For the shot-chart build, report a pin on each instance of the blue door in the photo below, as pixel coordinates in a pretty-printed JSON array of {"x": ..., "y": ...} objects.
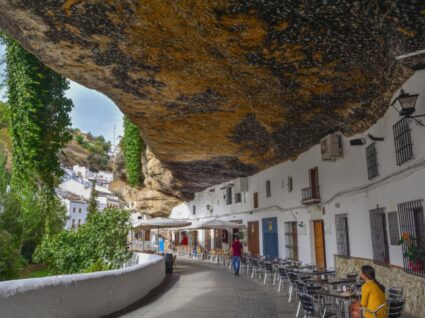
[{"x": 270, "y": 247}]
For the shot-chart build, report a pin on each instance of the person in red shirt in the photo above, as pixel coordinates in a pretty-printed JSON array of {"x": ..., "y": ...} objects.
[{"x": 236, "y": 255}]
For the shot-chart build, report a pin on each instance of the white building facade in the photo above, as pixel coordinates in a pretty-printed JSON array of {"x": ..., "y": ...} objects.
[
  {"x": 335, "y": 213},
  {"x": 76, "y": 213}
]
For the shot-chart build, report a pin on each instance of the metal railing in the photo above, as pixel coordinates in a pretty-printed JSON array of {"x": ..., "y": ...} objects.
[{"x": 310, "y": 194}]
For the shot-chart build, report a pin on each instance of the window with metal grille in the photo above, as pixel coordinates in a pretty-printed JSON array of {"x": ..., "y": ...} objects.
[
  {"x": 402, "y": 141},
  {"x": 372, "y": 162},
  {"x": 268, "y": 189},
  {"x": 238, "y": 197},
  {"x": 229, "y": 195},
  {"x": 411, "y": 221},
  {"x": 393, "y": 228},
  {"x": 289, "y": 184},
  {"x": 342, "y": 238},
  {"x": 255, "y": 200},
  {"x": 378, "y": 229},
  {"x": 291, "y": 240}
]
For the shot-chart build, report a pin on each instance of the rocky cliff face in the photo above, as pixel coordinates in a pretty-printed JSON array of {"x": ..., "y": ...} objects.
[{"x": 226, "y": 88}]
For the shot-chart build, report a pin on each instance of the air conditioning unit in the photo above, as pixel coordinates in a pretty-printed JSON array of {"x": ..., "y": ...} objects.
[
  {"x": 241, "y": 185},
  {"x": 331, "y": 147}
]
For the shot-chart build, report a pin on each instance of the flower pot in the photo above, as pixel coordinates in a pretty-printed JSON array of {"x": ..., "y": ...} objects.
[{"x": 415, "y": 266}]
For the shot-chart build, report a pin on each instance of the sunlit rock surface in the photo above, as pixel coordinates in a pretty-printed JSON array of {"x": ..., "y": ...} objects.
[{"x": 222, "y": 89}]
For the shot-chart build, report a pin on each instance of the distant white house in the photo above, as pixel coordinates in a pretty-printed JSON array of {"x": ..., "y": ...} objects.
[
  {"x": 104, "y": 176},
  {"x": 83, "y": 172},
  {"x": 75, "y": 187},
  {"x": 76, "y": 212}
]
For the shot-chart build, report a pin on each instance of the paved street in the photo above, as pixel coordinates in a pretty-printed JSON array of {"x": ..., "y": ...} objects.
[{"x": 204, "y": 290}]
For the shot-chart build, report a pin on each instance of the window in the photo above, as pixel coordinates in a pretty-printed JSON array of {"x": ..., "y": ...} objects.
[
  {"x": 79, "y": 210},
  {"x": 411, "y": 221},
  {"x": 238, "y": 197},
  {"x": 268, "y": 189},
  {"x": 255, "y": 200},
  {"x": 393, "y": 228},
  {"x": 341, "y": 229},
  {"x": 289, "y": 184},
  {"x": 371, "y": 159},
  {"x": 73, "y": 224},
  {"x": 229, "y": 195},
  {"x": 194, "y": 209},
  {"x": 378, "y": 229},
  {"x": 79, "y": 223},
  {"x": 291, "y": 240},
  {"x": 402, "y": 141},
  {"x": 73, "y": 209}
]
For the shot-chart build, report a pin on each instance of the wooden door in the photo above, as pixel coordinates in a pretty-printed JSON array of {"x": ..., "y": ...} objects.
[
  {"x": 270, "y": 235},
  {"x": 379, "y": 236},
  {"x": 217, "y": 238},
  {"x": 314, "y": 182},
  {"x": 319, "y": 244},
  {"x": 207, "y": 240},
  {"x": 253, "y": 238}
]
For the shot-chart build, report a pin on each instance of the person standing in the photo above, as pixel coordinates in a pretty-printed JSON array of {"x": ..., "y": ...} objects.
[{"x": 236, "y": 255}]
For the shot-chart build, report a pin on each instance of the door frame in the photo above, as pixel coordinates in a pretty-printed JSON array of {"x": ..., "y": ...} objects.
[
  {"x": 256, "y": 239},
  {"x": 273, "y": 231},
  {"x": 323, "y": 240}
]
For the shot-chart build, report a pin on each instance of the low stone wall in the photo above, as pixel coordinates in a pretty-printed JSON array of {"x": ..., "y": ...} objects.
[
  {"x": 82, "y": 295},
  {"x": 389, "y": 276}
]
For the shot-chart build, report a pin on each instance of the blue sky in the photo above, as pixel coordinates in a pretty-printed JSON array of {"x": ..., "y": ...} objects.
[{"x": 92, "y": 111}]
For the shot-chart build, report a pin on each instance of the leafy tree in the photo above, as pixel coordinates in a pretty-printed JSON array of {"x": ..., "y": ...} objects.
[
  {"x": 4, "y": 115},
  {"x": 92, "y": 204},
  {"x": 100, "y": 243},
  {"x": 39, "y": 116},
  {"x": 79, "y": 139},
  {"x": 10, "y": 260},
  {"x": 133, "y": 147}
]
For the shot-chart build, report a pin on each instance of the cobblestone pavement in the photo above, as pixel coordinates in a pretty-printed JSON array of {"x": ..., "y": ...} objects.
[{"x": 201, "y": 289}]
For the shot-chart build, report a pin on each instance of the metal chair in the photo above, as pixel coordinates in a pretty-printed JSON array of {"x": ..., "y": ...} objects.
[
  {"x": 282, "y": 280},
  {"x": 375, "y": 312},
  {"x": 268, "y": 271},
  {"x": 311, "y": 307},
  {"x": 395, "y": 307},
  {"x": 255, "y": 267},
  {"x": 394, "y": 292}
]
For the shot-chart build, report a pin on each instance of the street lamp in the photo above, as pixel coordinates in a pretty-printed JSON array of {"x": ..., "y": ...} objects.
[{"x": 407, "y": 103}]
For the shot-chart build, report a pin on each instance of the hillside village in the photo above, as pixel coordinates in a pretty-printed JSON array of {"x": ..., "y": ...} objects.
[{"x": 75, "y": 190}]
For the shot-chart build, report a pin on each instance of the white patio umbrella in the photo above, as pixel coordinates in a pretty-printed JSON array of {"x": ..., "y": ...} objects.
[
  {"x": 159, "y": 223},
  {"x": 216, "y": 224}
]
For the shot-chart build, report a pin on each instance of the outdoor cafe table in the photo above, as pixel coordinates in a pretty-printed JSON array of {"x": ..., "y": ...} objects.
[
  {"x": 346, "y": 297},
  {"x": 332, "y": 281},
  {"x": 307, "y": 271}
]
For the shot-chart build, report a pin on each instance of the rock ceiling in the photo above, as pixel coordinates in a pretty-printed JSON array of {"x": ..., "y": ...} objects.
[{"x": 222, "y": 89}]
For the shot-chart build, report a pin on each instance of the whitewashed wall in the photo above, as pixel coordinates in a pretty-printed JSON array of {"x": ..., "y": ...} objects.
[
  {"x": 344, "y": 182},
  {"x": 73, "y": 295}
]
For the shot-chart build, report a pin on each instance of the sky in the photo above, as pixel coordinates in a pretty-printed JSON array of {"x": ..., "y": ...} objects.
[{"x": 92, "y": 111}]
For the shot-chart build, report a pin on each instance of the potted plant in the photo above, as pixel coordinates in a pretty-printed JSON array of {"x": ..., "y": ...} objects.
[{"x": 413, "y": 252}]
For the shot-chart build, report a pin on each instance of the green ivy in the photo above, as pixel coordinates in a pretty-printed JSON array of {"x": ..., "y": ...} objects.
[
  {"x": 99, "y": 244},
  {"x": 133, "y": 146},
  {"x": 39, "y": 117}
]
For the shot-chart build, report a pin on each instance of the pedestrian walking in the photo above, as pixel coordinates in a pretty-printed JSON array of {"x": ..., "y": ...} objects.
[{"x": 236, "y": 255}]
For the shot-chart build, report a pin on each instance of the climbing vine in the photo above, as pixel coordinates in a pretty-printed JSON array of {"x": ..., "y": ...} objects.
[
  {"x": 39, "y": 116},
  {"x": 133, "y": 146}
]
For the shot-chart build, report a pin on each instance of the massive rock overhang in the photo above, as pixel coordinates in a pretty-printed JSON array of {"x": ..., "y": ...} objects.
[{"x": 222, "y": 89}]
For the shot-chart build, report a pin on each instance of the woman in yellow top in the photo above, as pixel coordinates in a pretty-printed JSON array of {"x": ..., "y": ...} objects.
[{"x": 373, "y": 295}]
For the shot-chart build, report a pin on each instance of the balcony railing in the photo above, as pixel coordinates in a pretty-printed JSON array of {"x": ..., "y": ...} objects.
[{"x": 310, "y": 195}]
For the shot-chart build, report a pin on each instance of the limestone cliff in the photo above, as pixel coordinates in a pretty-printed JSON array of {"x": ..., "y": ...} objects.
[{"x": 226, "y": 88}]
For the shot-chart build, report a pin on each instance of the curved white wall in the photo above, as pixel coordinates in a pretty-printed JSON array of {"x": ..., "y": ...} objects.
[{"x": 82, "y": 295}]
